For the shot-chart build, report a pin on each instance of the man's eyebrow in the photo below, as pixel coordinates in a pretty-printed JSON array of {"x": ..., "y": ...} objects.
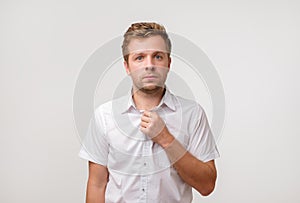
[
  {"x": 159, "y": 52},
  {"x": 137, "y": 53}
]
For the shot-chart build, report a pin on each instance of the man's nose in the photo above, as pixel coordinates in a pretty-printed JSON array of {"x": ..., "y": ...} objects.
[
  {"x": 150, "y": 63},
  {"x": 149, "y": 68}
]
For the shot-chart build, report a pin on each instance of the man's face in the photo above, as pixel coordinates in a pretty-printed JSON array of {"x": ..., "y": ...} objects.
[{"x": 148, "y": 63}]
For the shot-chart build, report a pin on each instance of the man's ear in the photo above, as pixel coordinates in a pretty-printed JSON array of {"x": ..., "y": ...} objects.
[
  {"x": 126, "y": 67},
  {"x": 169, "y": 62}
]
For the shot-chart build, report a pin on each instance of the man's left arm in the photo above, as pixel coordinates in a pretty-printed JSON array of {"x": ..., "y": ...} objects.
[{"x": 198, "y": 174}]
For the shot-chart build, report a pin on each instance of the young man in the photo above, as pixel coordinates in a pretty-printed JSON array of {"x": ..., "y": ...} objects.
[{"x": 149, "y": 146}]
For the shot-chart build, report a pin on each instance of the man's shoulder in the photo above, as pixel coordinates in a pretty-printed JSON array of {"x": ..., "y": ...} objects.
[
  {"x": 186, "y": 101},
  {"x": 114, "y": 103},
  {"x": 187, "y": 104}
]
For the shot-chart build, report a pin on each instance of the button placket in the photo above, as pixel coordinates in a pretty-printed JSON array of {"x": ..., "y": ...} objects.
[
  {"x": 144, "y": 182},
  {"x": 144, "y": 178}
]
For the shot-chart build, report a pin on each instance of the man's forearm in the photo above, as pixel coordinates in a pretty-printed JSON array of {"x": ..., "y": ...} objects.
[
  {"x": 199, "y": 175},
  {"x": 95, "y": 194}
]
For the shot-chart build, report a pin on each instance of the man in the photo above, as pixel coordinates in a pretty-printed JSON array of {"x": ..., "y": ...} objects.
[{"x": 149, "y": 146}]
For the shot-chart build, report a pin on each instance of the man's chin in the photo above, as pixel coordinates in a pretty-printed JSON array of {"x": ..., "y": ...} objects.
[{"x": 150, "y": 88}]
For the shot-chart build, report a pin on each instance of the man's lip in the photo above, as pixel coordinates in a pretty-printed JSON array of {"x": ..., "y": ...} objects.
[{"x": 150, "y": 76}]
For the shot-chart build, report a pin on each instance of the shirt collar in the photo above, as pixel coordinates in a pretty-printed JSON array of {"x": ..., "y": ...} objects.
[{"x": 166, "y": 100}]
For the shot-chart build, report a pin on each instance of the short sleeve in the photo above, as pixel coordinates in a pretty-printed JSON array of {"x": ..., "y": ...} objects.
[
  {"x": 95, "y": 146},
  {"x": 202, "y": 143}
]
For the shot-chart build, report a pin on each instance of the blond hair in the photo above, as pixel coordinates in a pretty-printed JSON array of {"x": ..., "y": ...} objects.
[{"x": 144, "y": 30}]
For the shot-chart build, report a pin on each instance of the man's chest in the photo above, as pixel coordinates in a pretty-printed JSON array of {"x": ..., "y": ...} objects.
[{"x": 130, "y": 151}]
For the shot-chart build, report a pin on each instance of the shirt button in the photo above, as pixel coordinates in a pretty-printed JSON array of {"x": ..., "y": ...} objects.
[
  {"x": 145, "y": 164},
  {"x": 143, "y": 190}
]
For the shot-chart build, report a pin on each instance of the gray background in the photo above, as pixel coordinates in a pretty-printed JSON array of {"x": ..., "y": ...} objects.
[{"x": 254, "y": 46}]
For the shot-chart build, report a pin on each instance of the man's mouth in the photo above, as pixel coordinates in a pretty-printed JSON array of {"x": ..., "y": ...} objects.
[{"x": 149, "y": 77}]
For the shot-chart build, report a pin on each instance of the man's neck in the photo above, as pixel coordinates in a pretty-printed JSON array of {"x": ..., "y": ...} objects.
[{"x": 147, "y": 100}]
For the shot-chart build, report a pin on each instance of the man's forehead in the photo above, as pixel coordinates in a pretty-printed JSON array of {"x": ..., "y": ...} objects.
[
  {"x": 148, "y": 51},
  {"x": 149, "y": 44}
]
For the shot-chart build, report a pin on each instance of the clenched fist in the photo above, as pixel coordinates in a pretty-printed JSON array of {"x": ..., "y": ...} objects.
[{"x": 155, "y": 128}]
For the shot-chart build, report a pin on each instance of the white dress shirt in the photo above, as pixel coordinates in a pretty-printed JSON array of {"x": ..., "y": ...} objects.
[{"x": 139, "y": 169}]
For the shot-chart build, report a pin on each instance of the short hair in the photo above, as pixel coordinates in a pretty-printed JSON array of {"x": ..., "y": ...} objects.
[{"x": 144, "y": 30}]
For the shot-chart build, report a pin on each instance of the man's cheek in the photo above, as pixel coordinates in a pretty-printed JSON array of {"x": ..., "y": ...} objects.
[{"x": 136, "y": 68}]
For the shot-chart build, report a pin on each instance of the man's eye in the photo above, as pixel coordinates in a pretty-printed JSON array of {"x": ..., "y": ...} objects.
[
  {"x": 139, "y": 58},
  {"x": 158, "y": 57}
]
